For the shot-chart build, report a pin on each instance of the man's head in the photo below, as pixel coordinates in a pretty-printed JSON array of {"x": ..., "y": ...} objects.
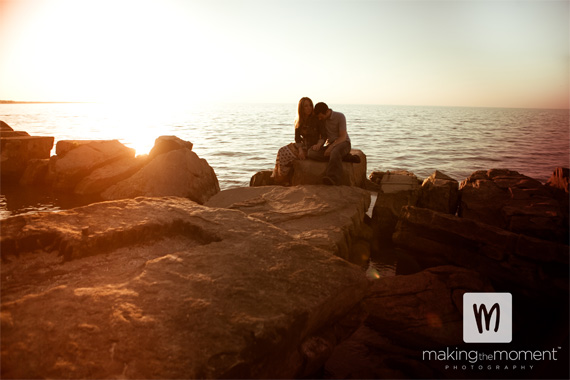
[{"x": 321, "y": 110}]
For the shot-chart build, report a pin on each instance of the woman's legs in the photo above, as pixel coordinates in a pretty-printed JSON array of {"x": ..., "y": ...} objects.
[{"x": 283, "y": 165}]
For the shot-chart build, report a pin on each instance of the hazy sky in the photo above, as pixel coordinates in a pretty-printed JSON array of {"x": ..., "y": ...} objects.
[{"x": 455, "y": 53}]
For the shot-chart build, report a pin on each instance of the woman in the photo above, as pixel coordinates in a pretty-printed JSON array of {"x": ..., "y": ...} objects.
[{"x": 308, "y": 131}]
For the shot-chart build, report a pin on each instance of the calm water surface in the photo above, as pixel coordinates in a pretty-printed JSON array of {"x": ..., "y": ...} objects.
[{"x": 238, "y": 140}]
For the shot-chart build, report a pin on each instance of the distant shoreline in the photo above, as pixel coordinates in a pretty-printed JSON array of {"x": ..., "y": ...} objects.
[
  {"x": 340, "y": 104},
  {"x": 32, "y": 102}
]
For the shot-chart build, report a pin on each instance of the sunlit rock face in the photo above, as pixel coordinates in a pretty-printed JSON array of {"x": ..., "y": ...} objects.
[
  {"x": 165, "y": 144},
  {"x": 108, "y": 170},
  {"x": 76, "y": 159},
  {"x": 329, "y": 217},
  {"x": 166, "y": 288},
  {"x": 100, "y": 179},
  {"x": 514, "y": 202},
  {"x": 17, "y": 149},
  {"x": 177, "y": 172}
]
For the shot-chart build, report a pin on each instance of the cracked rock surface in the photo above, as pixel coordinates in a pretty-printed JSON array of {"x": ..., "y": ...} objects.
[{"x": 167, "y": 288}]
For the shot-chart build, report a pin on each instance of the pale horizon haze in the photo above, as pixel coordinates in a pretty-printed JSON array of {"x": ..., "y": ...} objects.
[{"x": 472, "y": 53}]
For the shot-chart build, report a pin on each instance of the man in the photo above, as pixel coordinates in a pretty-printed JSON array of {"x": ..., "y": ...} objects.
[{"x": 338, "y": 144}]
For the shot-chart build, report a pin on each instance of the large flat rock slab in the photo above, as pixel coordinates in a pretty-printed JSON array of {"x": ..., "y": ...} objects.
[
  {"x": 329, "y": 217},
  {"x": 166, "y": 288}
]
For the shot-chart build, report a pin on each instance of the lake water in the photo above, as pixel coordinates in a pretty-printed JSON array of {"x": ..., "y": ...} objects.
[{"x": 239, "y": 140}]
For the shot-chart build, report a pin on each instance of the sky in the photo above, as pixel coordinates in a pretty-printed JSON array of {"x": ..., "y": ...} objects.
[{"x": 474, "y": 53}]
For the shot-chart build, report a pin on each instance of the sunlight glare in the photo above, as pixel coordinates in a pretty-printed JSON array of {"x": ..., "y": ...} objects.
[
  {"x": 145, "y": 62},
  {"x": 117, "y": 51},
  {"x": 138, "y": 125}
]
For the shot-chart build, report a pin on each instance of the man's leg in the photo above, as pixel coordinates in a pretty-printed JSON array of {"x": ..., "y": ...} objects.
[{"x": 334, "y": 167}]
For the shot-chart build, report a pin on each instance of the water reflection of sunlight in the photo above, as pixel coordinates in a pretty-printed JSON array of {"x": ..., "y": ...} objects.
[
  {"x": 142, "y": 142},
  {"x": 139, "y": 124}
]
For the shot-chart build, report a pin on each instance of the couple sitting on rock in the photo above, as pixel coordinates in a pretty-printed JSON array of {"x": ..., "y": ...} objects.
[{"x": 314, "y": 127}]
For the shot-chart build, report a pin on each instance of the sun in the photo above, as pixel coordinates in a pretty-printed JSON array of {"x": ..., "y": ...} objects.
[
  {"x": 145, "y": 62},
  {"x": 132, "y": 51},
  {"x": 138, "y": 125}
]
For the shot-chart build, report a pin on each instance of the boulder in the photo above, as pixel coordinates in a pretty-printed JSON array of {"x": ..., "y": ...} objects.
[
  {"x": 36, "y": 172},
  {"x": 7, "y": 131},
  {"x": 76, "y": 159},
  {"x": 515, "y": 202},
  {"x": 514, "y": 262},
  {"x": 262, "y": 178},
  {"x": 4, "y": 127},
  {"x": 105, "y": 146},
  {"x": 395, "y": 181},
  {"x": 439, "y": 192},
  {"x": 166, "y": 288},
  {"x": 18, "y": 150},
  {"x": 310, "y": 172},
  {"x": 328, "y": 217},
  {"x": 178, "y": 172},
  {"x": 106, "y": 169},
  {"x": 165, "y": 144}
]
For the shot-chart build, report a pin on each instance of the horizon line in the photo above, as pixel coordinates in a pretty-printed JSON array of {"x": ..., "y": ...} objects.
[{"x": 251, "y": 102}]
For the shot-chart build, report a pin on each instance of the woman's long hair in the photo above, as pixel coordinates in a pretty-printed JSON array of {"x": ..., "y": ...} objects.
[{"x": 301, "y": 117}]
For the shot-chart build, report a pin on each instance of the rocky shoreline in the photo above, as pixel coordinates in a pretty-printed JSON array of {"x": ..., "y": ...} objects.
[{"x": 166, "y": 276}]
